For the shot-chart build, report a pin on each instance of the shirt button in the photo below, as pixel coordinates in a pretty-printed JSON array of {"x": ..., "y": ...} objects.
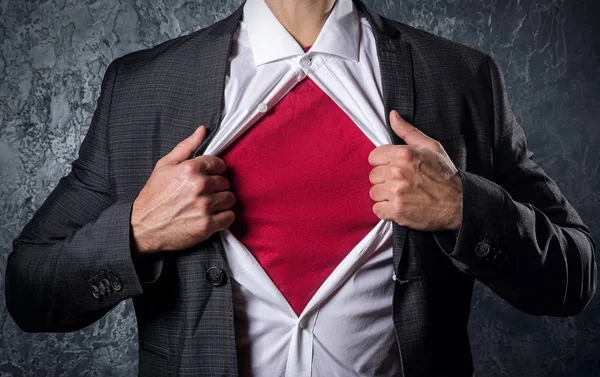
[
  {"x": 301, "y": 75},
  {"x": 302, "y": 323},
  {"x": 263, "y": 107},
  {"x": 305, "y": 62}
]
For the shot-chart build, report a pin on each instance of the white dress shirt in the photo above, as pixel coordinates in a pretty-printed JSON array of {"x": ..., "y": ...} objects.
[{"x": 346, "y": 329}]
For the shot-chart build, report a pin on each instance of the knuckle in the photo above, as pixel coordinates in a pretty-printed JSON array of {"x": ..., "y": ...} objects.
[
  {"x": 405, "y": 153},
  {"x": 204, "y": 225},
  {"x": 204, "y": 165},
  {"x": 200, "y": 184},
  {"x": 217, "y": 163},
  {"x": 187, "y": 167},
  {"x": 203, "y": 203},
  {"x": 398, "y": 189},
  {"x": 396, "y": 172},
  {"x": 199, "y": 163}
]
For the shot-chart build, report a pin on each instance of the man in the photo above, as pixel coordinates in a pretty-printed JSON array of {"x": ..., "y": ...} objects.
[{"x": 279, "y": 258}]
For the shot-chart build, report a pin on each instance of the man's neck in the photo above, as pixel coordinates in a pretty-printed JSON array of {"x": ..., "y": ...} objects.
[{"x": 303, "y": 19}]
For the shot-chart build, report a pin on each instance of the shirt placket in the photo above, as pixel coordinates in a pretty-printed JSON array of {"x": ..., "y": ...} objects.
[{"x": 300, "y": 353}]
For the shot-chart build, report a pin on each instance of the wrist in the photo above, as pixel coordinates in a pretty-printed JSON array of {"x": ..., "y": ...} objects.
[
  {"x": 141, "y": 243},
  {"x": 457, "y": 213},
  {"x": 140, "y": 239},
  {"x": 136, "y": 250}
]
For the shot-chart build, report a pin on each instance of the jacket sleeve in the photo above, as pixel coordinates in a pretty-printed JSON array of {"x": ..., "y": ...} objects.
[
  {"x": 519, "y": 235},
  {"x": 72, "y": 263}
]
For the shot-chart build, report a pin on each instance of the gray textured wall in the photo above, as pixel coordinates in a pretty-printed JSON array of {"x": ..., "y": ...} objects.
[{"x": 52, "y": 57}]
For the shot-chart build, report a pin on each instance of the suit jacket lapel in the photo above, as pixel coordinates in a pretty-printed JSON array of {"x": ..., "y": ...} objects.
[
  {"x": 210, "y": 72},
  {"x": 395, "y": 62},
  {"x": 212, "y": 57}
]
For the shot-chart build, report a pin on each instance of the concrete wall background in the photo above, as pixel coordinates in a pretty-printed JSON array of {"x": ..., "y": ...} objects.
[{"x": 53, "y": 54}]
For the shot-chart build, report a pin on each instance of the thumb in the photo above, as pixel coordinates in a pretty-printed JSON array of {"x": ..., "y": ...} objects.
[
  {"x": 409, "y": 133},
  {"x": 185, "y": 148}
]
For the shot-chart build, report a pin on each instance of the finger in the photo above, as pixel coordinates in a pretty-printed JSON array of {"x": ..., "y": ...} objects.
[
  {"x": 381, "y": 209},
  {"x": 411, "y": 134},
  {"x": 221, "y": 220},
  {"x": 184, "y": 149},
  {"x": 216, "y": 183},
  {"x": 380, "y": 155},
  {"x": 385, "y": 173},
  {"x": 221, "y": 201},
  {"x": 389, "y": 153},
  {"x": 377, "y": 174},
  {"x": 379, "y": 192},
  {"x": 209, "y": 164}
]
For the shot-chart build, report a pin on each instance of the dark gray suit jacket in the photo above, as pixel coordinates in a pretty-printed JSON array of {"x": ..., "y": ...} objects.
[{"x": 520, "y": 236}]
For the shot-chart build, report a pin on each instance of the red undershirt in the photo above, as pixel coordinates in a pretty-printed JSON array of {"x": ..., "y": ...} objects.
[{"x": 301, "y": 180}]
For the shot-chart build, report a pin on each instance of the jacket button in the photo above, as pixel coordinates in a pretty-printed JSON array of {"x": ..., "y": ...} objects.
[
  {"x": 95, "y": 291},
  {"x": 106, "y": 284},
  {"x": 482, "y": 249},
  {"x": 215, "y": 276},
  {"x": 102, "y": 288},
  {"x": 116, "y": 284}
]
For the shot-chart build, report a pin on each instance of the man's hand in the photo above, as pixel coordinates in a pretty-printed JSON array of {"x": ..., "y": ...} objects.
[
  {"x": 183, "y": 202},
  {"x": 416, "y": 185}
]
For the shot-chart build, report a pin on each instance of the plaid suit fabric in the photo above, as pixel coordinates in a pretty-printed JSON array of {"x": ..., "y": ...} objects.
[{"x": 540, "y": 257}]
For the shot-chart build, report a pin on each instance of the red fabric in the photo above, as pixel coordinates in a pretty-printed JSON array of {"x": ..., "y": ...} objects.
[{"x": 301, "y": 180}]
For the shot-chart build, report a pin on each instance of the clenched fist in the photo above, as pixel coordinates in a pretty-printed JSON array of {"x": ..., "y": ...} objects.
[
  {"x": 183, "y": 202},
  {"x": 416, "y": 185}
]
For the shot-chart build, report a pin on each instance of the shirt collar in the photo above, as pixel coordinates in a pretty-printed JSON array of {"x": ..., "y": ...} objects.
[{"x": 270, "y": 41}]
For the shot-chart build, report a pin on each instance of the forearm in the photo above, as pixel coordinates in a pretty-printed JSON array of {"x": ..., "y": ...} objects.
[
  {"x": 50, "y": 283},
  {"x": 540, "y": 266}
]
